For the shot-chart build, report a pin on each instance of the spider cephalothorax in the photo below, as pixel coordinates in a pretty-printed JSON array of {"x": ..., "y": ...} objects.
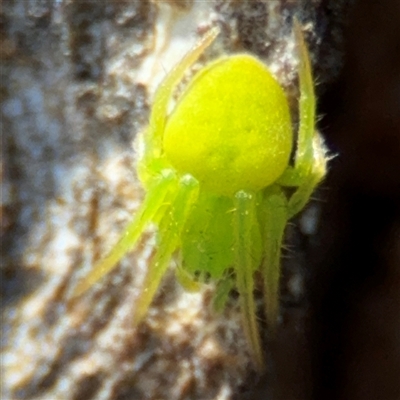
[{"x": 215, "y": 170}]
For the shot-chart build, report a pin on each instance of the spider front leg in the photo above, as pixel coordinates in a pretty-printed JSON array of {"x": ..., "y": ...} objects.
[
  {"x": 153, "y": 137},
  {"x": 310, "y": 159}
]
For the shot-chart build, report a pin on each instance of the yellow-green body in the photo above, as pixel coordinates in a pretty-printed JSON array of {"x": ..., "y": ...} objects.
[
  {"x": 215, "y": 170},
  {"x": 233, "y": 136}
]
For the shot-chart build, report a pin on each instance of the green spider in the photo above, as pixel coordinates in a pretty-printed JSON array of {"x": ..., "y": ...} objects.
[{"x": 219, "y": 180}]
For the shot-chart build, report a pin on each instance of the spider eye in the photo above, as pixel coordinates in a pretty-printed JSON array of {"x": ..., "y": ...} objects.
[{"x": 231, "y": 128}]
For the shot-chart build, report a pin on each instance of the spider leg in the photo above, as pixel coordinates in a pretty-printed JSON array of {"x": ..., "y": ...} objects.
[
  {"x": 275, "y": 216},
  {"x": 245, "y": 218},
  {"x": 302, "y": 194},
  {"x": 307, "y": 102},
  {"x": 170, "y": 230},
  {"x": 310, "y": 159},
  {"x": 151, "y": 204},
  {"x": 162, "y": 97}
]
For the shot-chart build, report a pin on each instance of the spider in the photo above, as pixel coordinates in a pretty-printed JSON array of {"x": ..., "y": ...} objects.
[{"x": 220, "y": 182}]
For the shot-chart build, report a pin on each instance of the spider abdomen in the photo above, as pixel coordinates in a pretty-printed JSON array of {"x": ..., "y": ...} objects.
[{"x": 231, "y": 127}]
